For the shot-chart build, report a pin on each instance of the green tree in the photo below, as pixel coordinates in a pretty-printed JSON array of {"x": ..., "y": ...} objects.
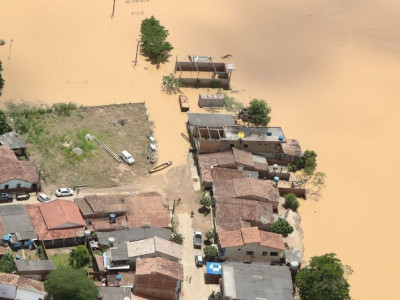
[
  {"x": 79, "y": 257},
  {"x": 7, "y": 263},
  {"x": 154, "y": 42},
  {"x": 68, "y": 283},
  {"x": 209, "y": 235},
  {"x": 177, "y": 238},
  {"x": 308, "y": 162},
  {"x": 171, "y": 84},
  {"x": 1, "y": 77},
  {"x": 259, "y": 112},
  {"x": 324, "y": 279},
  {"x": 291, "y": 201},
  {"x": 206, "y": 202},
  {"x": 210, "y": 252},
  {"x": 282, "y": 227},
  {"x": 4, "y": 128}
]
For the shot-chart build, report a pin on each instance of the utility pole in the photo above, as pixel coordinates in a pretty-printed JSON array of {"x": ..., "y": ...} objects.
[
  {"x": 137, "y": 50},
  {"x": 9, "y": 51},
  {"x": 112, "y": 15}
]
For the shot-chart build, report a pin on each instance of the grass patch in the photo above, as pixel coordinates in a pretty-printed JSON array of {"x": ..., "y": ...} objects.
[{"x": 60, "y": 260}]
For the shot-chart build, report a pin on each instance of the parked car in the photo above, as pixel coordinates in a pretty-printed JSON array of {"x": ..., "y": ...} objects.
[
  {"x": 22, "y": 196},
  {"x": 197, "y": 239},
  {"x": 198, "y": 259},
  {"x": 43, "y": 198},
  {"x": 64, "y": 192},
  {"x": 127, "y": 157},
  {"x": 5, "y": 197}
]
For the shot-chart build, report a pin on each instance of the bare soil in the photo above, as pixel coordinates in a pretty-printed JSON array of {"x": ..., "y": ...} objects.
[{"x": 98, "y": 168}]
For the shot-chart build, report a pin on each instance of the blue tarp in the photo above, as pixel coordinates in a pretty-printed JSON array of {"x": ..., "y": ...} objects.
[{"x": 214, "y": 268}]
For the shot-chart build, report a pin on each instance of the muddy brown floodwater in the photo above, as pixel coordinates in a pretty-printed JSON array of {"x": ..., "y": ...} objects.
[{"x": 330, "y": 70}]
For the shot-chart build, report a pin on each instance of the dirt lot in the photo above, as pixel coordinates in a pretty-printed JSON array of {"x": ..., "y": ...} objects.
[{"x": 120, "y": 127}]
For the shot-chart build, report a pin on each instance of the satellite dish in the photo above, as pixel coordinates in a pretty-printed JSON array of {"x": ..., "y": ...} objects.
[{"x": 241, "y": 134}]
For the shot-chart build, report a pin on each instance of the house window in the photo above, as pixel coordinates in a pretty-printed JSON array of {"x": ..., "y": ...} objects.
[
  {"x": 246, "y": 146},
  {"x": 18, "y": 185},
  {"x": 232, "y": 145},
  {"x": 249, "y": 252},
  {"x": 265, "y": 253},
  {"x": 273, "y": 254},
  {"x": 6, "y": 187},
  {"x": 239, "y": 249}
]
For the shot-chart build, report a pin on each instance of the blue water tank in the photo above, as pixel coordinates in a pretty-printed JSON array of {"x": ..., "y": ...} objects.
[
  {"x": 6, "y": 238},
  {"x": 276, "y": 179},
  {"x": 17, "y": 257},
  {"x": 118, "y": 277},
  {"x": 269, "y": 133},
  {"x": 281, "y": 137}
]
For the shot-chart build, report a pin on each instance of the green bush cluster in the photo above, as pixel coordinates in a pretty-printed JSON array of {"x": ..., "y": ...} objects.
[{"x": 291, "y": 201}]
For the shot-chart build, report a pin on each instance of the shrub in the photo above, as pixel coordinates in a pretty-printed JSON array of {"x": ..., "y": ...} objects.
[
  {"x": 259, "y": 112},
  {"x": 282, "y": 227},
  {"x": 7, "y": 263},
  {"x": 291, "y": 201},
  {"x": 209, "y": 234},
  {"x": 177, "y": 238},
  {"x": 205, "y": 201},
  {"x": 210, "y": 252},
  {"x": 79, "y": 257}
]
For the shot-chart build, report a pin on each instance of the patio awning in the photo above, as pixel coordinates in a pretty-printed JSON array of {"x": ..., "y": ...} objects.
[{"x": 214, "y": 268}]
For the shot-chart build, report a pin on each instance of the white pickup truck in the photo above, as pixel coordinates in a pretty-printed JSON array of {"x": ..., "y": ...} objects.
[{"x": 197, "y": 239}]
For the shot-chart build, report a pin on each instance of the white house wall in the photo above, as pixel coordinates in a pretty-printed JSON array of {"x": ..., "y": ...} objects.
[
  {"x": 28, "y": 295},
  {"x": 7, "y": 291},
  {"x": 12, "y": 184}
]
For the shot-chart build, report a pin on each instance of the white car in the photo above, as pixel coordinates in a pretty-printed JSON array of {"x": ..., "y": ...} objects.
[
  {"x": 127, "y": 157},
  {"x": 63, "y": 192},
  {"x": 43, "y": 198},
  {"x": 198, "y": 259}
]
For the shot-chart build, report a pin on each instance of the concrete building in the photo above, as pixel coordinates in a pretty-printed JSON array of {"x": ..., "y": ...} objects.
[
  {"x": 16, "y": 223},
  {"x": 34, "y": 269},
  {"x": 16, "y": 175},
  {"x": 124, "y": 255},
  {"x": 57, "y": 223},
  {"x": 114, "y": 293},
  {"x": 20, "y": 288},
  {"x": 158, "y": 278},
  {"x": 255, "y": 281},
  {"x": 250, "y": 244},
  {"x": 14, "y": 142}
]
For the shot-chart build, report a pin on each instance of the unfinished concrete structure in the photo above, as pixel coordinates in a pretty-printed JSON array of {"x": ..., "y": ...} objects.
[{"x": 207, "y": 74}]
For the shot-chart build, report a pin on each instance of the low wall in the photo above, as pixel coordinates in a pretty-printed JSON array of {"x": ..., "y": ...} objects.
[
  {"x": 205, "y": 83},
  {"x": 301, "y": 193}
]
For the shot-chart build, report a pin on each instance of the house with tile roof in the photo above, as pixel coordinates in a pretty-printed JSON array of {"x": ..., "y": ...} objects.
[
  {"x": 57, "y": 223},
  {"x": 158, "y": 278},
  {"x": 20, "y": 288},
  {"x": 234, "y": 214},
  {"x": 16, "y": 175},
  {"x": 150, "y": 209},
  {"x": 247, "y": 188},
  {"x": 250, "y": 244}
]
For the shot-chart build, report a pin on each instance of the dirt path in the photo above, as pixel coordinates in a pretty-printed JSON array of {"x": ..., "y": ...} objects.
[{"x": 196, "y": 289}]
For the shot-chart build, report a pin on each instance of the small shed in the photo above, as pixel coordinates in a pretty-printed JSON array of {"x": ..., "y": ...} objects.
[
  {"x": 211, "y": 100},
  {"x": 214, "y": 271},
  {"x": 184, "y": 103}
]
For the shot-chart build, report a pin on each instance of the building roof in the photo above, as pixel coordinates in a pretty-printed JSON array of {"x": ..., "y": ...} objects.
[
  {"x": 12, "y": 168},
  {"x": 254, "y": 134},
  {"x": 21, "y": 282},
  {"x": 104, "y": 224},
  {"x": 226, "y": 174},
  {"x": 24, "y": 265},
  {"x": 246, "y": 188},
  {"x": 61, "y": 214},
  {"x": 44, "y": 233},
  {"x": 119, "y": 252},
  {"x": 102, "y": 204},
  {"x": 12, "y": 140},
  {"x": 114, "y": 293},
  {"x": 256, "y": 281},
  {"x": 198, "y": 119},
  {"x": 292, "y": 147},
  {"x": 231, "y": 159},
  {"x": 127, "y": 280},
  {"x": 133, "y": 234},
  {"x": 251, "y": 235},
  {"x": 159, "y": 265},
  {"x": 14, "y": 219},
  {"x": 148, "y": 209},
  {"x": 153, "y": 245},
  {"x": 234, "y": 213}
]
